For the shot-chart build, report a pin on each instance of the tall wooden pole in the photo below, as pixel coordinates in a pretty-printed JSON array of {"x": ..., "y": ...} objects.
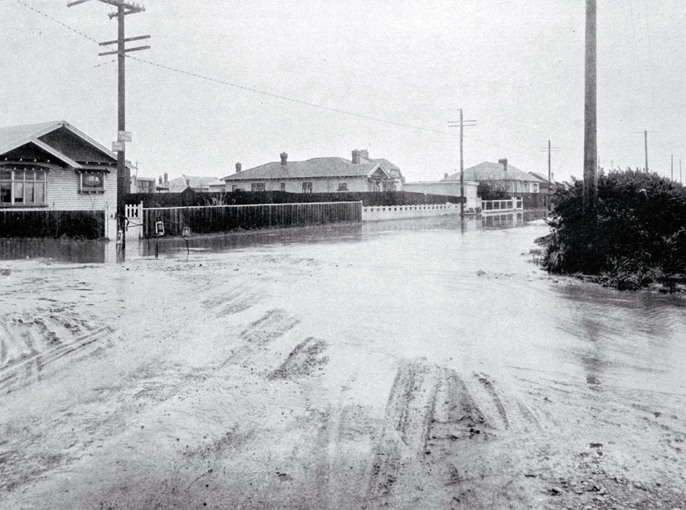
[
  {"x": 122, "y": 177},
  {"x": 590, "y": 116},
  {"x": 461, "y": 167}
]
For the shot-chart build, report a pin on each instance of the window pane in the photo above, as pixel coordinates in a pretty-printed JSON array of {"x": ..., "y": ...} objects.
[
  {"x": 28, "y": 193},
  {"x": 92, "y": 181},
  {"x": 18, "y": 192},
  {"x": 40, "y": 175},
  {"x": 5, "y": 193},
  {"x": 40, "y": 193},
  {"x": 5, "y": 175}
]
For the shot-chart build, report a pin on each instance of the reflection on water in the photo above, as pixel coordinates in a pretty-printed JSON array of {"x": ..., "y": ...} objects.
[
  {"x": 85, "y": 251},
  {"x": 635, "y": 335}
]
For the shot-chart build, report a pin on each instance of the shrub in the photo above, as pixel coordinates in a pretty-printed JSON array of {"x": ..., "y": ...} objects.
[{"x": 639, "y": 236}]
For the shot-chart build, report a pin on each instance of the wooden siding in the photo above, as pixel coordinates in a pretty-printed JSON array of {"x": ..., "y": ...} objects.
[
  {"x": 209, "y": 219},
  {"x": 63, "y": 192},
  {"x": 46, "y": 223}
]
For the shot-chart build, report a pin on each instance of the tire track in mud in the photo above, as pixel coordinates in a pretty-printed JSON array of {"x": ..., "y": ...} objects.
[
  {"x": 31, "y": 341},
  {"x": 434, "y": 418}
]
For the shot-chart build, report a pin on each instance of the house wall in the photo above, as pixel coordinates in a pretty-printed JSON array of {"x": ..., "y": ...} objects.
[
  {"x": 63, "y": 195},
  {"x": 319, "y": 185},
  {"x": 446, "y": 188}
]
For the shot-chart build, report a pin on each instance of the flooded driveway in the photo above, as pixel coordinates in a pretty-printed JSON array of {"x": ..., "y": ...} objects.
[{"x": 410, "y": 364}]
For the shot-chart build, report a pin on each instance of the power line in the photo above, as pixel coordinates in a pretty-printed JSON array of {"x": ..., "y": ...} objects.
[{"x": 262, "y": 92}]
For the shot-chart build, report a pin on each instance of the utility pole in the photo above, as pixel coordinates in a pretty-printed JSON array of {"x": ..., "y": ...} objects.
[
  {"x": 646, "y": 151},
  {"x": 550, "y": 149},
  {"x": 590, "y": 115},
  {"x": 672, "y": 177},
  {"x": 645, "y": 141},
  {"x": 462, "y": 124},
  {"x": 123, "y": 178}
]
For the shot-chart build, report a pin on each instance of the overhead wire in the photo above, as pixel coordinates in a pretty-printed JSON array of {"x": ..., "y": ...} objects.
[{"x": 259, "y": 91}]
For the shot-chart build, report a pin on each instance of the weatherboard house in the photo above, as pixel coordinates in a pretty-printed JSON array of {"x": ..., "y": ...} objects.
[
  {"x": 54, "y": 166},
  {"x": 319, "y": 175}
]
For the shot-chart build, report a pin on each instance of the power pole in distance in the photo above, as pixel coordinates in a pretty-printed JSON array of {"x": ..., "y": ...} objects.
[
  {"x": 549, "y": 149},
  {"x": 123, "y": 8},
  {"x": 645, "y": 138},
  {"x": 462, "y": 124}
]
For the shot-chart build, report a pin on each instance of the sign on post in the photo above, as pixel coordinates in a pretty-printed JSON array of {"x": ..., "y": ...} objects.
[
  {"x": 124, "y": 136},
  {"x": 117, "y": 146}
]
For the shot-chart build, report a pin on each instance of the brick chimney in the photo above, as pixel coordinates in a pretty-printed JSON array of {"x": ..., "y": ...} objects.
[
  {"x": 238, "y": 168},
  {"x": 364, "y": 153},
  {"x": 356, "y": 157},
  {"x": 284, "y": 159},
  {"x": 504, "y": 163}
]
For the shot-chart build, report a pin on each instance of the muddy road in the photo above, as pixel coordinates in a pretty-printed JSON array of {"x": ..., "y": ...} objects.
[{"x": 411, "y": 365}]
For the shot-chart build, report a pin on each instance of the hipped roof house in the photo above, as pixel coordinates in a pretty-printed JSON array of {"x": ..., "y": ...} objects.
[
  {"x": 361, "y": 171},
  {"x": 501, "y": 173}
]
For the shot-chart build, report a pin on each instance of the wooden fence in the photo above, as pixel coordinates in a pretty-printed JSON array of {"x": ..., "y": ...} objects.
[
  {"x": 44, "y": 223},
  {"x": 224, "y": 218},
  {"x": 239, "y": 197}
]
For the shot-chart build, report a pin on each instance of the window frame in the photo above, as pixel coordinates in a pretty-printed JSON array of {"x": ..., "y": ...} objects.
[
  {"x": 307, "y": 187},
  {"x": 342, "y": 186},
  {"x": 258, "y": 186},
  {"x": 88, "y": 189},
  {"x": 33, "y": 178}
]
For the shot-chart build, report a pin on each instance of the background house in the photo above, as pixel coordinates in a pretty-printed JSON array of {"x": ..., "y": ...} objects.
[
  {"x": 197, "y": 184},
  {"x": 500, "y": 176},
  {"x": 54, "y": 166},
  {"x": 319, "y": 175}
]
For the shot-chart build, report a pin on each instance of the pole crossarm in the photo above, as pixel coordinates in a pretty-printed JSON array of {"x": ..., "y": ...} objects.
[
  {"x": 115, "y": 52},
  {"x": 137, "y": 38}
]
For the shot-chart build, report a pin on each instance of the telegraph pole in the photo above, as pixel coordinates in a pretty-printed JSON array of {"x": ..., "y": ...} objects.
[
  {"x": 123, "y": 178},
  {"x": 590, "y": 115},
  {"x": 463, "y": 123},
  {"x": 645, "y": 142},
  {"x": 672, "y": 177},
  {"x": 646, "y": 151},
  {"x": 550, "y": 149}
]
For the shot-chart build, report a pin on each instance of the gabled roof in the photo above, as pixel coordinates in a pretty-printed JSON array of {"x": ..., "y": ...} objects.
[
  {"x": 13, "y": 137},
  {"x": 312, "y": 168},
  {"x": 488, "y": 171}
]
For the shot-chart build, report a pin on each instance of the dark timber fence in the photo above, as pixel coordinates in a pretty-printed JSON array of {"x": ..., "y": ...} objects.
[
  {"x": 239, "y": 197},
  {"x": 42, "y": 223},
  {"x": 224, "y": 218}
]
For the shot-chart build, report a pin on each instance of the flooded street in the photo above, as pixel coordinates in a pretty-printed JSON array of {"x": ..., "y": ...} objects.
[{"x": 409, "y": 364}]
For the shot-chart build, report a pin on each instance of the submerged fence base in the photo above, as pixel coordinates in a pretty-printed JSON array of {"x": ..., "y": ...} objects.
[
  {"x": 50, "y": 223},
  {"x": 224, "y": 218}
]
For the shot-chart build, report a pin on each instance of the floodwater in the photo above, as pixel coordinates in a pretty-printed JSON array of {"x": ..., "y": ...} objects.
[
  {"x": 468, "y": 291},
  {"x": 401, "y": 364}
]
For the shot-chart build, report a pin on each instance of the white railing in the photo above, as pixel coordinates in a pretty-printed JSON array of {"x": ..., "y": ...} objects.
[{"x": 511, "y": 204}]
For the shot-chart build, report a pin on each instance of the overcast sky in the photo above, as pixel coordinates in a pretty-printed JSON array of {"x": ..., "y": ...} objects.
[{"x": 515, "y": 66}]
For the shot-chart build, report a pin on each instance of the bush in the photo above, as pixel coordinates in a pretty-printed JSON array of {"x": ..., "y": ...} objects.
[{"x": 639, "y": 235}]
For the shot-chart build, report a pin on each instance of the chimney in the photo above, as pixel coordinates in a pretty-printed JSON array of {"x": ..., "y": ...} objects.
[
  {"x": 504, "y": 163},
  {"x": 364, "y": 153},
  {"x": 284, "y": 159},
  {"x": 356, "y": 157},
  {"x": 445, "y": 175},
  {"x": 238, "y": 168},
  {"x": 166, "y": 180}
]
